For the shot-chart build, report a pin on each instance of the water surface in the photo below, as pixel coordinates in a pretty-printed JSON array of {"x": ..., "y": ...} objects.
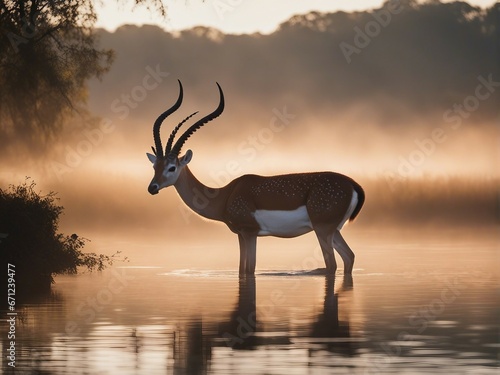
[{"x": 412, "y": 306}]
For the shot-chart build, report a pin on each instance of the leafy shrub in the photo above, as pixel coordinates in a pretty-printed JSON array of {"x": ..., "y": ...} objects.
[{"x": 31, "y": 242}]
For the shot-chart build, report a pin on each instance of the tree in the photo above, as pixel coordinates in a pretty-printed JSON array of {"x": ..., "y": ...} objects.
[
  {"x": 48, "y": 50},
  {"x": 29, "y": 240}
]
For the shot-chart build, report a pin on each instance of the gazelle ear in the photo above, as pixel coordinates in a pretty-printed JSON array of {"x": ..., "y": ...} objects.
[
  {"x": 151, "y": 157},
  {"x": 183, "y": 160}
]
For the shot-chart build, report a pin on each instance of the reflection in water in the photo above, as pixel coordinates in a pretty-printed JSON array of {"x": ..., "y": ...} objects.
[
  {"x": 213, "y": 322},
  {"x": 183, "y": 346},
  {"x": 239, "y": 331},
  {"x": 191, "y": 350},
  {"x": 327, "y": 324},
  {"x": 193, "y": 347}
]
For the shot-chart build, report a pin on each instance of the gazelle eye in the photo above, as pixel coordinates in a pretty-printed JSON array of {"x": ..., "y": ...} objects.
[{"x": 171, "y": 169}]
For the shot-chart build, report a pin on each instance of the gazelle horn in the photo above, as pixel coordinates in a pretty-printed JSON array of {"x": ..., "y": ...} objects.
[
  {"x": 156, "y": 127},
  {"x": 168, "y": 148},
  {"x": 183, "y": 138}
]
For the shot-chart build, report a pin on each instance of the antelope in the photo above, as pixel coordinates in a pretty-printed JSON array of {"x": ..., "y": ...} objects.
[{"x": 251, "y": 206}]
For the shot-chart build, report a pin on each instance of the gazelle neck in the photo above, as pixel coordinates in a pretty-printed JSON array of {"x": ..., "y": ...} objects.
[{"x": 205, "y": 201}]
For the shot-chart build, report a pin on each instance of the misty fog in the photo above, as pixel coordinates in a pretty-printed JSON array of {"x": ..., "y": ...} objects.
[{"x": 403, "y": 99}]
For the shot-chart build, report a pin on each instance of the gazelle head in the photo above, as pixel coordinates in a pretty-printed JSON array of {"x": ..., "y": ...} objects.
[{"x": 168, "y": 165}]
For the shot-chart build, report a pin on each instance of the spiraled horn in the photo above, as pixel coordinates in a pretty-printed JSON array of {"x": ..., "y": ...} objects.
[
  {"x": 161, "y": 118},
  {"x": 168, "y": 148},
  {"x": 183, "y": 138}
]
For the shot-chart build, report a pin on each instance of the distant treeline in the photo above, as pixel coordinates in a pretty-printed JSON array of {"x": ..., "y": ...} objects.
[{"x": 405, "y": 59}]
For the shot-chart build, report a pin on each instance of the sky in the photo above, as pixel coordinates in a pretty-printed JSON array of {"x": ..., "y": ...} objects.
[{"x": 229, "y": 16}]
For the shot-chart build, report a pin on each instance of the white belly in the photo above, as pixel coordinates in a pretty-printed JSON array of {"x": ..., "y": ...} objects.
[{"x": 283, "y": 223}]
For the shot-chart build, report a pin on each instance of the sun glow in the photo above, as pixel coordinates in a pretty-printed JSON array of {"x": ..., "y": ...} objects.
[{"x": 232, "y": 17}]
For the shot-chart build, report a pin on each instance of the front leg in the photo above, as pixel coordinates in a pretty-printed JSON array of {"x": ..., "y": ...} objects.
[
  {"x": 248, "y": 253},
  {"x": 243, "y": 255}
]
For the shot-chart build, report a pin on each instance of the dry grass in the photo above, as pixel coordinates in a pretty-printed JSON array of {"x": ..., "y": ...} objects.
[{"x": 447, "y": 200}]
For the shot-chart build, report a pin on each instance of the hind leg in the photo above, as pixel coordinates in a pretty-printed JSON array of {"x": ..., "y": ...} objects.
[
  {"x": 345, "y": 252},
  {"x": 248, "y": 248},
  {"x": 325, "y": 241}
]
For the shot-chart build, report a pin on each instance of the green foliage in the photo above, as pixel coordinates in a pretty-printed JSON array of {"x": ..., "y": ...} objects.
[
  {"x": 48, "y": 50},
  {"x": 29, "y": 223},
  {"x": 47, "y": 53}
]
